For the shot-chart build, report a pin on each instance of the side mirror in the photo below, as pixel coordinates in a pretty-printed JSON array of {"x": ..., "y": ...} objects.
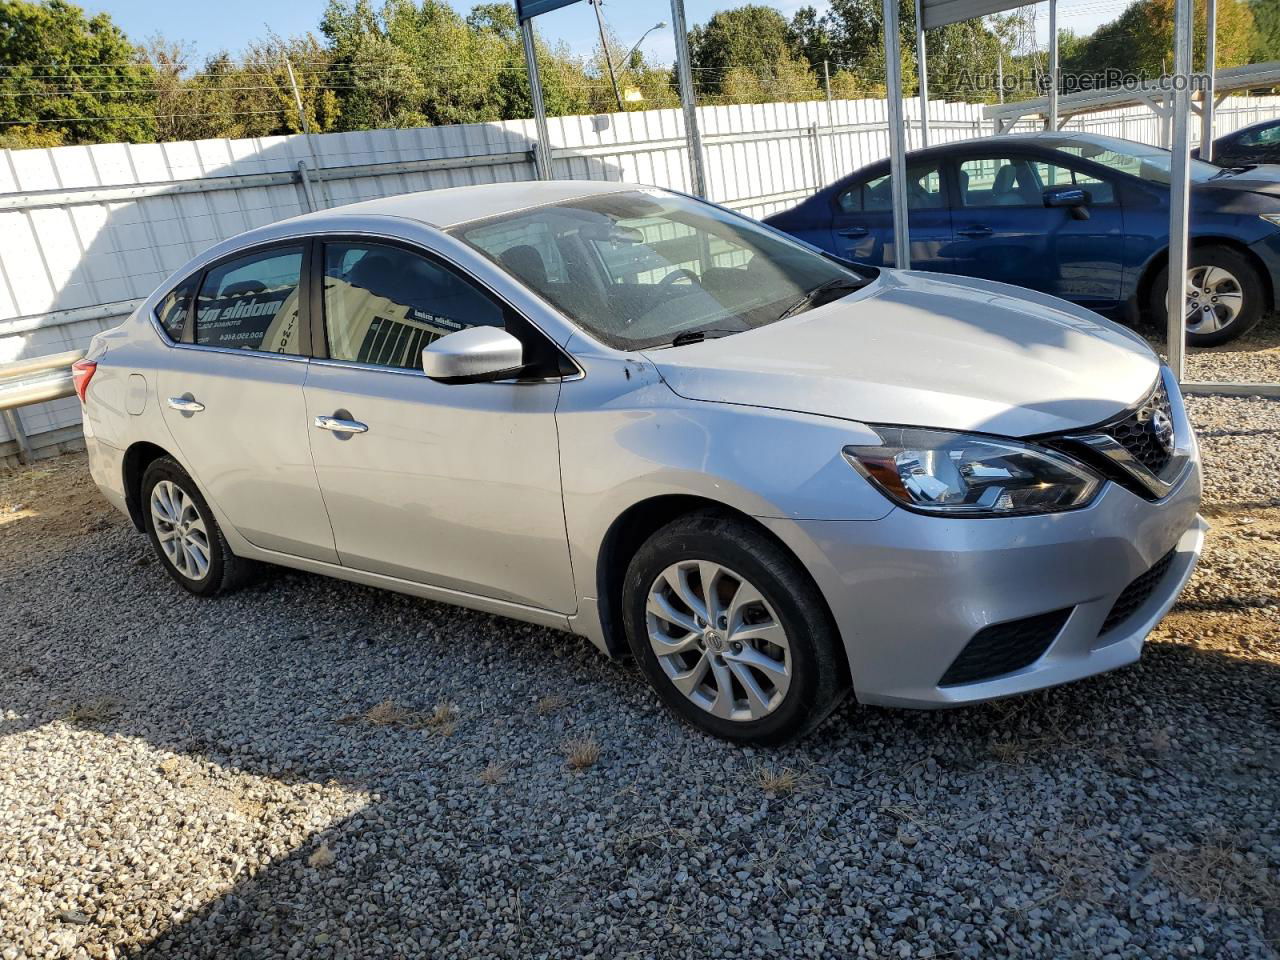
[
  {"x": 474, "y": 355},
  {"x": 1076, "y": 198}
]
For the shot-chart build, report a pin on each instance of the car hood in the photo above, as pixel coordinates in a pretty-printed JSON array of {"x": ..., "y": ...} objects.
[
  {"x": 1263, "y": 179},
  {"x": 927, "y": 350}
]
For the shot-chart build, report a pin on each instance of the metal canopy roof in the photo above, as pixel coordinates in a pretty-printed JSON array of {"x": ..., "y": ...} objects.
[
  {"x": 939, "y": 13},
  {"x": 1152, "y": 94},
  {"x": 528, "y": 9}
]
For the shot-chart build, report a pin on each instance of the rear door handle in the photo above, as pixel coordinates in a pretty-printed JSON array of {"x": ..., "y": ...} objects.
[
  {"x": 852, "y": 232},
  {"x": 976, "y": 231},
  {"x": 186, "y": 404},
  {"x": 338, "y": 425}
]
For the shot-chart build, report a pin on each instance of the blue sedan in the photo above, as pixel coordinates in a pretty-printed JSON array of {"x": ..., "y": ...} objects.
[{"x": 1081, "y": 217}]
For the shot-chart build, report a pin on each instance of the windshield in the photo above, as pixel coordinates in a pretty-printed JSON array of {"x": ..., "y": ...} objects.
[
  {"x": 638, "y": 268},
  {"x": 1136, "y": 159}
]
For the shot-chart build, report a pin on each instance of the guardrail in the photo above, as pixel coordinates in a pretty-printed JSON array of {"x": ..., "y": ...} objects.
[{"x": 36, "y": 380}]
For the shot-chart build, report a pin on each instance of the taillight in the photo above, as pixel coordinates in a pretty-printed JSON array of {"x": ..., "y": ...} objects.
[{"x": 81, "y": 373}]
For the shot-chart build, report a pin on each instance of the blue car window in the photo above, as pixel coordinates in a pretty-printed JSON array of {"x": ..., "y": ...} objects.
[
  {"x": 1054, "y": 175},
  {"x": 1019, "y": 182},
  {"x": 999, "y": 182},
  {"x": 924, "y": 192},
  {"x": 1266, "y": 137}
]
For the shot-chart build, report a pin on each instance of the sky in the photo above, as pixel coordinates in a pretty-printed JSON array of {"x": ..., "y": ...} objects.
[{"x": 209, "y": 27}]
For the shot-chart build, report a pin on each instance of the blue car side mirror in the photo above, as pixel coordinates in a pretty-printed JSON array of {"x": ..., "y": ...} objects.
[{"x": 1077, "y": 199}]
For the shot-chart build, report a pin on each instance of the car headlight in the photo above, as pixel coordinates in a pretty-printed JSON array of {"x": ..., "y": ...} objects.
[
  {"x": 1272, "y": 218},
  {"x": 957, "y": 474}
]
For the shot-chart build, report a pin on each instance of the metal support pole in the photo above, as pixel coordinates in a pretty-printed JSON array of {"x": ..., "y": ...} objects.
[
  {"x": 307, "y": 192},
  {"x": 1000, "y": 74},
  {"x": 688, "y": 99},
  {"x": 14, "y": 423},
  {"x": 542, "y": 149},
  {"x": 815, "y": 141},
  {"x": 1207, "y": 104},
  {"x": 897, "y": 136},
  {"x": 831, "y": 120},
  {"x": 922, "y": 71},
  {"x": 306, "y": 132},
  {"x": 1053, "y": 65},
  {"x": 1179, "y": 186},
  {"x": 604, "y": 49}
]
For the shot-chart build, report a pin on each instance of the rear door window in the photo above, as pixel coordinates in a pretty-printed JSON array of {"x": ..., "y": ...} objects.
[
  {"x": 252, "y": 303},
  {"x": 924, "y": 192}
]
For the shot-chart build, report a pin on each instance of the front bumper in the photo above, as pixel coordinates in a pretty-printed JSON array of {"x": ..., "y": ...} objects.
[
  {"x": 909, "y": 592},
  {"x": 1268, "y": 251}
]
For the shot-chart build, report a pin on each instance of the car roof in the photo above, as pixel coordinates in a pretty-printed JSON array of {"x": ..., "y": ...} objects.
[
  {"x": 1260, "y": 125},
  {"x": 1045, "y": 139},
  {"x": 450, "y": 206}
]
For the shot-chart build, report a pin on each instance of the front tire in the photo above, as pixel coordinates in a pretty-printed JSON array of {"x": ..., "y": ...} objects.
[
  {"x": 1225, "y": 296},
  {"x": 185, "y": 535},
  {"x": 732, "y": 632}
]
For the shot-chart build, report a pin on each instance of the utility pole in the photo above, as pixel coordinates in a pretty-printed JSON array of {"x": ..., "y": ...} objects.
[
  {"x": 604, "y": 48},
  {"x": 306, "y": 132}
]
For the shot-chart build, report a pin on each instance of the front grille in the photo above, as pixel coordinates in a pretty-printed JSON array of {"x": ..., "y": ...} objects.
[
  {"x": 1137, "y": 432},
  {"x": 1005, "y": 647},
  {"x": 1136, "y": 594}
]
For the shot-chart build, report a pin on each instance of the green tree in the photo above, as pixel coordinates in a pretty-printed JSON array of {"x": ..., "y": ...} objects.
[
  {"x": 1140, "y": 40},
  {"x": 249, "y": 98},
  {"x": 809, "y": 35},
  {"x": 70, "y": 78},
  {"x": 750, "y": 40},
  {"x": 1266, "y": 18},
  {"x": 409, "y": 64}
]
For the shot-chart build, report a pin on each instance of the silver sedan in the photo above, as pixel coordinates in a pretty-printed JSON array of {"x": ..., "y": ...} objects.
[{"x": 769, "y": 475}]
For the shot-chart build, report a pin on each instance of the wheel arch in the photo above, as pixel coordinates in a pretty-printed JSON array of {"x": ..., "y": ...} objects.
[
  {"x": 1161, "y": 259},
  {"x": 137, "y": 458},
  {"x": 633, "y": 527}
]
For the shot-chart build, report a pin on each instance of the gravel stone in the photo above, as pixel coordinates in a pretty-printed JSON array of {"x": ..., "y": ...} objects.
[{"x": 171, "y": 769}]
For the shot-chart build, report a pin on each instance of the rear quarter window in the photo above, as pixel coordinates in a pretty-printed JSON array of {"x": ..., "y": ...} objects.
[{"x": 171, "y": 312}]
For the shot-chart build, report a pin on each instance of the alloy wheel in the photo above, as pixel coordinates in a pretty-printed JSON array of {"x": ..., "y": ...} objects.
[
  {"x": 718, "y": 640},
  {"x": 1214, "y": 299},
  {"x": 180, "y": 529}
]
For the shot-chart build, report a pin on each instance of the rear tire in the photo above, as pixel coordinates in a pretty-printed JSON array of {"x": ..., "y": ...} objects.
[
  {"x": 1214, "y": 272},
  {"x": 185, "y": 535},
  {"x": 761, "y": 662}
]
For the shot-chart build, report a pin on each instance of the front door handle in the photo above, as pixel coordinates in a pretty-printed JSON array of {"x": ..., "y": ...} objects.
[
  {"x": 852, "y": 232},
  {"x": 186, "y": 404},
  {"x": 978, "y": 230},
  {"x": 338, "y": 425}
]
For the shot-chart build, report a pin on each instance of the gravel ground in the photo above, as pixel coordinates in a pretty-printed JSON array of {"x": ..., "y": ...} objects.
[
  {"x": 1254, "y": 358},
  {"x": 295, "y": 771}
]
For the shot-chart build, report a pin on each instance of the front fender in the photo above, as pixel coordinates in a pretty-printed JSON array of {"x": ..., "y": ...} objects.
[{"x": 626, "y": 438}]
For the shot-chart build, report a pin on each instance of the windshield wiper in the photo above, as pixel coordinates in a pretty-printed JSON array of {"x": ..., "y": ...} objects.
[
  {"x": 817, "y": 296},
  {"x": 697, "y": 336}
]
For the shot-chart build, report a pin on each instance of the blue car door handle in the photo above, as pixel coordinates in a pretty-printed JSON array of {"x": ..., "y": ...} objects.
[
  {"x": 977, "y": 230},
  {"x": 852, "y": 232}
]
